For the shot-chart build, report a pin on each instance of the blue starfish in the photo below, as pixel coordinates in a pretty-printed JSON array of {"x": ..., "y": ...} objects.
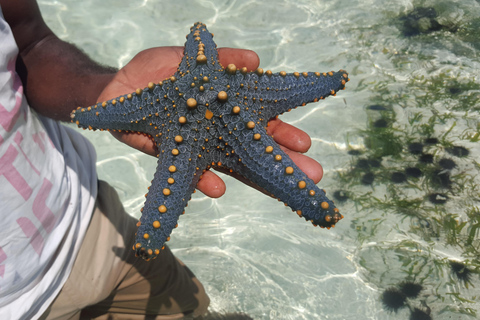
[{"x": 206, "y": 116}]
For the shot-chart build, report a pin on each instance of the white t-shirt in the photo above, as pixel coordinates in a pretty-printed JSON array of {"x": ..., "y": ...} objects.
[{"x": 48, "y": 186}]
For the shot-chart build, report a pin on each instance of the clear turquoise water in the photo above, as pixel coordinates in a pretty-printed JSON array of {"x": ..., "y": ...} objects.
[{"x": 252, "y": 253}]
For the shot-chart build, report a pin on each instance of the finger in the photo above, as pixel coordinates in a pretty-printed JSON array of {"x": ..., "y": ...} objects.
[
  {"x": 239, "y": 57},
  {"x": 211, "y": 185},
  {"x": 165, "y": 60},
  {"x": 289, "y": 136},
  {"x": 309, "y": 166}
]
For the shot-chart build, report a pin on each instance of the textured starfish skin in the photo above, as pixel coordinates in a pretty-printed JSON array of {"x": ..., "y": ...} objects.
[{"x": 209, "y": 116}]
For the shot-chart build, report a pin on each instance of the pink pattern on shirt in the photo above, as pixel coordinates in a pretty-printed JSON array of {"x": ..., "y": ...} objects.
[
  {"x": 40, "y": 209},
  {"x": 18, "y": 140},
  {"x": 11, "y": 173},
  {"x": 39, "y": 138},
  {"x": 9, "y": 118},
  {"x": 32, "y": 232}
]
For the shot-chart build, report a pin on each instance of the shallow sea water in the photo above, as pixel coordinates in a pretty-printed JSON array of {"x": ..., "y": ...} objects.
[{"x": 399, "y": 148}]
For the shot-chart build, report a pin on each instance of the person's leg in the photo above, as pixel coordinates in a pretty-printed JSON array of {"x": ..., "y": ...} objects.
[{"x": 109, "y": 282}]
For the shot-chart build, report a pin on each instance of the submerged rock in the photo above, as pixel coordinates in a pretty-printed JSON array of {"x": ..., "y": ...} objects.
[{"x": 420, "y": 21}]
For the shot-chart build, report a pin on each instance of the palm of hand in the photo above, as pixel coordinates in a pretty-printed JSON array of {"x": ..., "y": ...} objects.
[{"x": 156, "y": 64}]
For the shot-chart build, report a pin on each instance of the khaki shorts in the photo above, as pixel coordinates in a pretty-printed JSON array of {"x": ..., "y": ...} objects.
[{"x": 109, "y": 282}]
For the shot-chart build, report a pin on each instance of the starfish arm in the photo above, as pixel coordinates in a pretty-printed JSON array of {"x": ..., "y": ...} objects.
[
  {"x": 173, "y": 183},
  {"x": 135, "y": 111},
  {"x": 262, "y": 161},
  {"x": 200, "y": 52},
  {"x": 281, "y": 92}
]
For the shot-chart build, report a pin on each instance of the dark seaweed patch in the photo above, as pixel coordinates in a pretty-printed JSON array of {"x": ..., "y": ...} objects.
[
  {"x": 413, "y": 172},
  {"x": 431, "y": 141},
  {"x": 426, "y": 158},
  {"x": 461, "y": 271},
  {"x": 340, "y": 195},
  {"x": 393, "y": 299},
  {"x": 374, "y": 163},
  {"x": 377, "y": 107},
  {"x": 455, "y": 90},
  {"x": 420, "y": 21},
  {"x": 415, "y": 148},
  {"x": 437, "y": 198},
  {"x": 446, "y": 163},
  {"x": 354, "y": 152},
  {"x": 366, "y": 164},
  {"x": 368, "y": 178},
  {"x": 410, "y": 289},
  {"x": 398, "y": 177},
  {"x": 419, "y": 314},
  {"x": 380, "y": 123},
  {"x": 458, "y": 151}
]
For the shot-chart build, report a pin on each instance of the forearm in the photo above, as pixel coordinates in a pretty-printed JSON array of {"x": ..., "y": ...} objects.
[{"x": 58, "y": 77}]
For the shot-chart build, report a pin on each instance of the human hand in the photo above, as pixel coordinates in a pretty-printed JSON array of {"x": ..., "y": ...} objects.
[{"x": 139, "y": 72}]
